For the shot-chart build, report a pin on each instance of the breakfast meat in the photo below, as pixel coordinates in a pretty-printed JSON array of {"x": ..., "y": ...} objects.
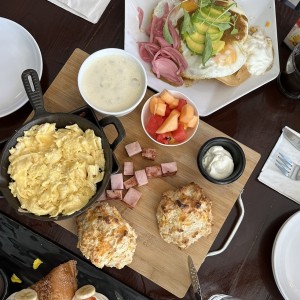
[
  {"x": 104, "y": 237},
  {"x": 114, "y": 194},
  {"x": 116, "y": 181},
  {"x": 132, "y": 197},
  {"x": 133, "y": 149},
  {"x": 130, "y": 182},
  {"x": 169, "y": 169},
  {"x": 55, "y": 171},
  {"x": 153, "y": 171},
  {"x": 141, "y": 177},
  {"x": 149, "y": 153},
  {"x": 184, "y": 215},
  {"x": 128, "y": 168},
  {"x": 60, "y": 283}
]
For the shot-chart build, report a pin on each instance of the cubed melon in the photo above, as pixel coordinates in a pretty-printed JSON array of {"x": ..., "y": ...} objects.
[
  {"x": 187, "y": 113},
  {"x": 160, "y": 109},
  {"x": 170, "y": 123},
  {"x": 193, "y": 122},
  {"x": 153, "y": 101}
]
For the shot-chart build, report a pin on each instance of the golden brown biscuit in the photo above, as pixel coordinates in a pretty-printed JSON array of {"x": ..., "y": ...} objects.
[
  {"x": 105, "y": 238},
  {"x": 184, "y": 215}
]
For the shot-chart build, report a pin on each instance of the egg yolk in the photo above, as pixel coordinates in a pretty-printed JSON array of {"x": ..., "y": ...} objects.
[{"x": 226, "y": 57}]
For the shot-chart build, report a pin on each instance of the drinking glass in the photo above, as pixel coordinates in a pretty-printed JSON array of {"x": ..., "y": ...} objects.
[{"x": 289, "y": 79}]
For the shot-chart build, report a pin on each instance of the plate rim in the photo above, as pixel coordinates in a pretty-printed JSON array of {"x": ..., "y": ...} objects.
[
  {"x": 281, "y": 232},
  {"x": 39, "y": 68}
]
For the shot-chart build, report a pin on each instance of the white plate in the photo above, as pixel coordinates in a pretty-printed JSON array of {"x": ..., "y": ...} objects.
[
  {"x": 208, "y": 95},
  {"x": 286, "y": 258},
  {"x": 18, "y": 52}
]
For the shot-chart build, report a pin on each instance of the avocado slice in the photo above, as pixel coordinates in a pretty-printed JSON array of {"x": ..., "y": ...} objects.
[
  {"x": 215, "y": 15},
  {"x": 199, "y": 48},
  {"x": 203, "y": 27},
  {"x": 210, "y": 14},
  {"x": 200, "y": 37}
]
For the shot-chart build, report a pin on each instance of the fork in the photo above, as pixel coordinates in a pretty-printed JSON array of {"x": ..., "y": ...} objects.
[{"x": 287, "y": 167}]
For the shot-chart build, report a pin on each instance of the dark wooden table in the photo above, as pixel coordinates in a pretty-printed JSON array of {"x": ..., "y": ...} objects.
[{"x": 244, "y": 269}]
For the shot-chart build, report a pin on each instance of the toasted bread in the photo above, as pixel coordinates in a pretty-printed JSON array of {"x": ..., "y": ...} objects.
[{"x": 60, "y": 283}]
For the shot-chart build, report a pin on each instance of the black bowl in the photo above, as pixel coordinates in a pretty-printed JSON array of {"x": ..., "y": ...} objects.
[
  {"x": 236, "y": 152},
  {"x": 3, "y": 285}
]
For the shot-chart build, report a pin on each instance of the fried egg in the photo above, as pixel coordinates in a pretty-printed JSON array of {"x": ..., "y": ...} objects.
[
  {"x": 259, "y": 49},
  {"x": 225, "y": 62}
]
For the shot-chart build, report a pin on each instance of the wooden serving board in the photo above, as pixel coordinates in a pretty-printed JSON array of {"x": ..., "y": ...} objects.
[{"x": 155, "y": 259}]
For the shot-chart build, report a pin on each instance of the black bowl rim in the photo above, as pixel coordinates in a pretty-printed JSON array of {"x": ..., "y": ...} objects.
[{"x": 228, "y": 145}]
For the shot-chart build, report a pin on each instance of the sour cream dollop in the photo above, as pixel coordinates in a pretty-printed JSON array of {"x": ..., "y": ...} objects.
[{"x": 218, "y": 162}]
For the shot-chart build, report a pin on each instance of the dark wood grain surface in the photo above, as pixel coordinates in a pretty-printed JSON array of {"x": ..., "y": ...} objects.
[{"x": 244, "y": 269}]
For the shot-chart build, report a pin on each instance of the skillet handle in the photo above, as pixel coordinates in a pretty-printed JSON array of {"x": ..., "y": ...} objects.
[
  {"x": 112, "y": 120},
  {"x": 33, "y": 90}
]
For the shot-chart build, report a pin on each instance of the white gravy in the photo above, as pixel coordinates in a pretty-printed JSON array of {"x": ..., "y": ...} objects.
[{"x": 113, "y": 83}]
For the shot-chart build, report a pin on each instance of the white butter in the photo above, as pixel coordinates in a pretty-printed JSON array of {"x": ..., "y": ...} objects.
[{"x": 218, "y": 162}]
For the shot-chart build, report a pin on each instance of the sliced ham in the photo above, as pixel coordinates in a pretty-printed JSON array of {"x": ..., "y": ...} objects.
[
  {"x": 148, "y": 50},
  {"x": 169, "y": 169},
  {"x": 149, "y": 153},
  {"x": 132, "y": 197},
  {"x": 141, "y": 177},
  {"x": 153, "y": 171},
  {"x": 165, "y": 68},
  {"x": 114, "y": 194},
  {"x": 128, "y": 168},
  {"x": 140, "y": 16},
  {"x": 131, "y": 182},
  {"x": 167, "y": 61},
  {"x": 133, "y": 149},
  {"x": 116, "y": 181}
]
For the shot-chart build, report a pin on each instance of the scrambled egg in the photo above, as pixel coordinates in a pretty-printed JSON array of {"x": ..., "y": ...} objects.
[{"x": 55, "y": 171}]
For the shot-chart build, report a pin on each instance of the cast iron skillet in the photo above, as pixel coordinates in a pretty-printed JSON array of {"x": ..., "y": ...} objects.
[{"x": 34, "y": 93}]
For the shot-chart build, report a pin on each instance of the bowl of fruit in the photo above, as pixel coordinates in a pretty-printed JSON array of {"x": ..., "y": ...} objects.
[{"x": 170, "y": 118}]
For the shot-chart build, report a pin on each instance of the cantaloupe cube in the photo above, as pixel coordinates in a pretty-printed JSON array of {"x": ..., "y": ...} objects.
[
  {"x": 193, "y": 122},
  {"x": 160, "y": 109},
  {"x": 168, "y": 98},
  {"x": 153, "y": 101},
  {"x": 170, "y": 123},
  {"x": 187, "y": 113}
]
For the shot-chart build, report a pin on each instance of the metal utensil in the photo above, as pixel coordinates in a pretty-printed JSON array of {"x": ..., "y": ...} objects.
[
  {"x": 194, "y": 279},
  {"x": 287, "y": 167},
  {"x": 291, "y": 137}
]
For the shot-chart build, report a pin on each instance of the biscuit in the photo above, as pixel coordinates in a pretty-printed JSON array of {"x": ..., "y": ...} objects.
[
  {"x": 184, "y": 215},
  {"x": 105, "y": 238}
]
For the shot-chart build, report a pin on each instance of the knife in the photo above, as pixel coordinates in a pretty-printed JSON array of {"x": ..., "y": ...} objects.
[
  {"x": 291, "y": 137},
  {"x": 194, "y": 279},
  {"x": 118, "y": 296}
]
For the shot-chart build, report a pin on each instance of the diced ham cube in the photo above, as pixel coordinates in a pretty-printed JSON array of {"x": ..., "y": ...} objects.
[
  {"x": 153, "y": 171},
  {"x": 133, "y": 148},
  {"x": 169, "y": 169},
  {"x": 116, "y": 181},
  {"x": 149, "y": 153},
  {"x": 132, "y": 197},
  {"x": 128, "y": 168},
  {"x": 131, "y": 182},
  {"x": 114, "y": 194},
  {"x": 141, "y": 177}
]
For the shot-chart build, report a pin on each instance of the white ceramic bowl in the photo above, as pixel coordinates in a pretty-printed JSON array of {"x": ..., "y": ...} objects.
[
  {"x": 112, "y": 81},
  {"x": 146, "y": 114}
]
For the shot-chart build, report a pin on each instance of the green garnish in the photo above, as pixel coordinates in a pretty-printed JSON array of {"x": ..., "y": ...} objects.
[{"x": 223, "y": 21}]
